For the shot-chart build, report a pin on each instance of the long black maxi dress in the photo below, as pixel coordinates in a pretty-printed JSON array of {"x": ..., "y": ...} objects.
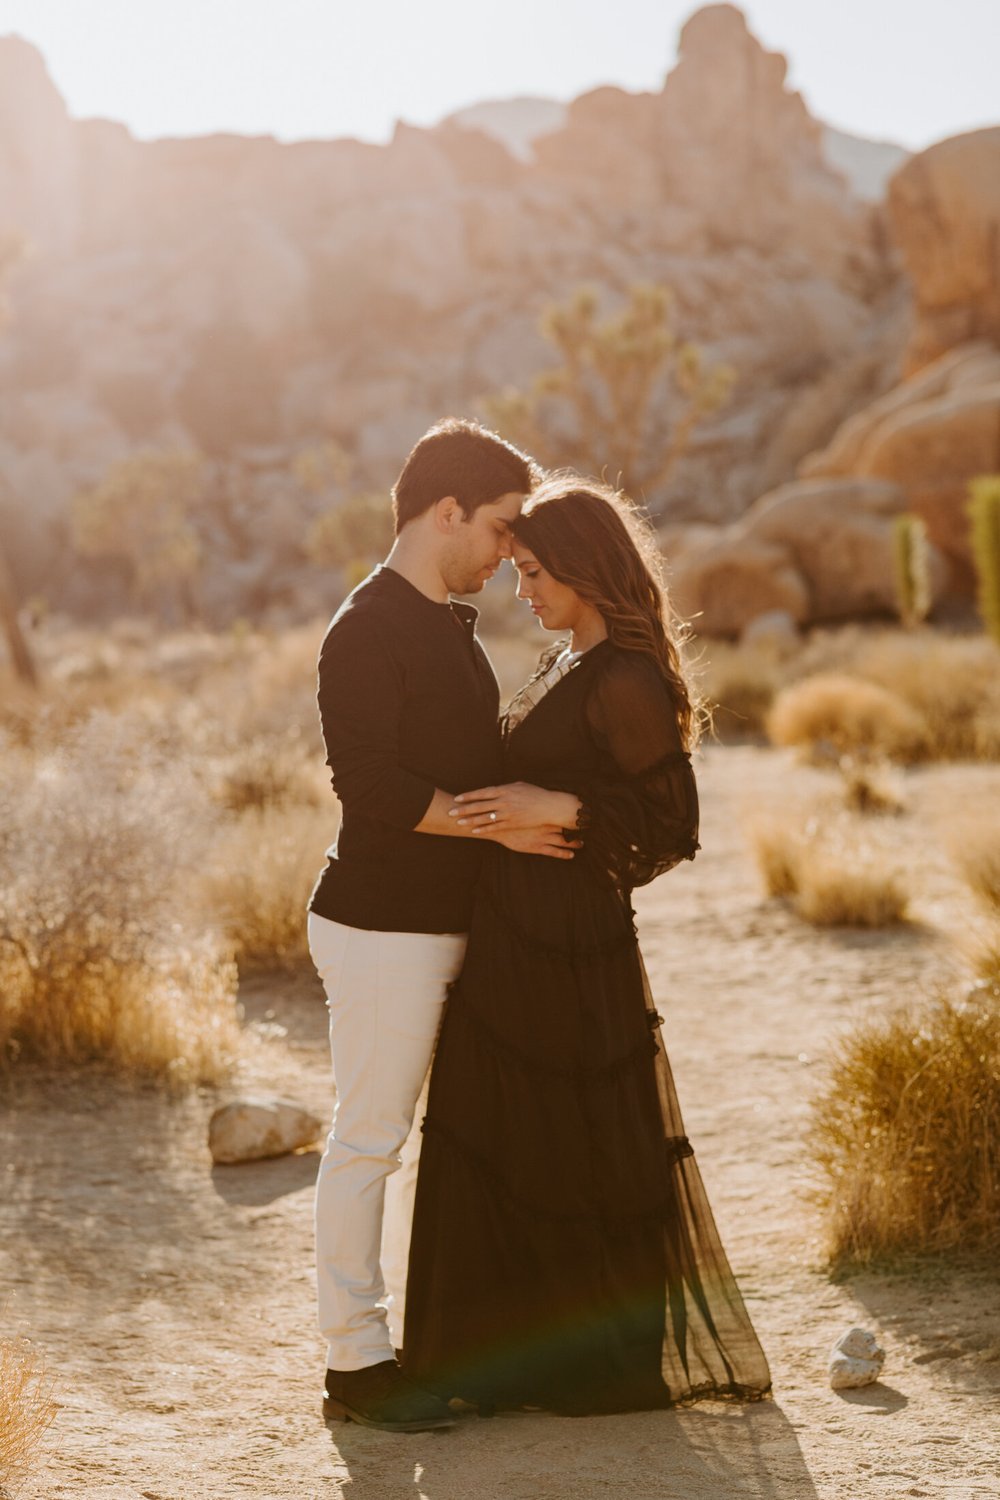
[{"x": 563, "y": 1253}]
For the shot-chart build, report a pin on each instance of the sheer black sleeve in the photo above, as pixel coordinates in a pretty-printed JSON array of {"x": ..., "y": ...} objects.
[{"x": 642, "y": 817}]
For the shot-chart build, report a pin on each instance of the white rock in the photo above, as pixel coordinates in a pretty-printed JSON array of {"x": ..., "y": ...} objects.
[
  {"x": 254, "y": 1128},
  {"x": 856, "y": 1359}
]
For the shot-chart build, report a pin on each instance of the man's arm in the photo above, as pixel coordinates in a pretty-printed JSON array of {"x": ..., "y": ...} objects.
[{"x": 360, "y": 701}]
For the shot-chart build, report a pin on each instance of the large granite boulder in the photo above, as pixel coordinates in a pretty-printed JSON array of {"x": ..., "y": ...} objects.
[
  {"x": 944, "y": 205},
  {"x": 818, "y": 551}
]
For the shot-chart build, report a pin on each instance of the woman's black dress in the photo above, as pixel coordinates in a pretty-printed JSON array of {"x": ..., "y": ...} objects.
[{"x": 563, "y": 1253}]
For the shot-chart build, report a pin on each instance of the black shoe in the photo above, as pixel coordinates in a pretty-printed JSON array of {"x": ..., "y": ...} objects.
[{"x": 382, "y": 1396}]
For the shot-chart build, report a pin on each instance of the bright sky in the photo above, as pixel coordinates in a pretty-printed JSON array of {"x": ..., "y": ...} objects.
[{"x": 911, "y": 71}]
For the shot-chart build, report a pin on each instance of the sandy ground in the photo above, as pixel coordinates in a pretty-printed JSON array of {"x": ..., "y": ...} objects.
[{"x": 174, "y": 1301}]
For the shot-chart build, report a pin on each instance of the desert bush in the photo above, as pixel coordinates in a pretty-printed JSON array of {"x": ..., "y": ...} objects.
[
  {"x": 976, "y": 851},
  {"x": 833, "y": 875},
  {"x": 740, "y": 682},
  {"x": 103, "y": 956},
  {"x": 952, "y": 682},
  {"x": 839, "y": 714},
  {"x": 258, "y": 879},
  {"x": 142, "y": 512},
  {"x": 907, "y": 1132},
  {"x": 269, "y": 771},
  {"x": 866, "y": 789},
  {"x": 26, "y": 1409}
]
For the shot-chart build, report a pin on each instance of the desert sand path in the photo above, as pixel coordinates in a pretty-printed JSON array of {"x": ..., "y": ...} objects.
[{"x": 174, "y": 1302}]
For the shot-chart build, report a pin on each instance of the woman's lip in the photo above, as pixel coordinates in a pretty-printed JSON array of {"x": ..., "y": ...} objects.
[{"x": 536, "y": 609}]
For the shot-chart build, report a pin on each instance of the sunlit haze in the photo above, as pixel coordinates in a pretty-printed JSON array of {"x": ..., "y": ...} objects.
[{"x": 887, "y": 69}]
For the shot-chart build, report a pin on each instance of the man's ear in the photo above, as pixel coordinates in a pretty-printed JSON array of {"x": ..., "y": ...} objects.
[{"x": 448, "y": 515}]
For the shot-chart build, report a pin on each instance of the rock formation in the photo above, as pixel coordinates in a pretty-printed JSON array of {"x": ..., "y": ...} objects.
[{"x": 246, "y": 296}]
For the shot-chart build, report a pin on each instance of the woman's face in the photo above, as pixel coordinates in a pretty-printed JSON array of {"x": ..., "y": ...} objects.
[{"x": 557, "y": 606}]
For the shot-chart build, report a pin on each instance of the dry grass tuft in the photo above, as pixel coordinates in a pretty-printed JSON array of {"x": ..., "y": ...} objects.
[
  {"x": 102, "y": 955},
  {"x": 26, "y": 1410},
  {"x": 267, "y": 772},
  {"x": 833, "y": 714},
  {"x": 867, "y": 791},
  {"x": 977, "y": 856},
  {"x": 952, "y": 682},
  {"x": 908, "y": 1132},
  {"x": 832, "y": 874},
  {"x": 259, "y": 878},
  {"x": 740, "y": 683}
]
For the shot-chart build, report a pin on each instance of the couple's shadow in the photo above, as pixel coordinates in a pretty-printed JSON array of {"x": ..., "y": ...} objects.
[{"x": 714, "y": 1451}]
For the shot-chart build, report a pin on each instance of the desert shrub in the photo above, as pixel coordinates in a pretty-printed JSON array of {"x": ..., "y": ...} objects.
[
  {"x": 269, "y": 771},
  {"x": 258, "y": 878},
  {"x": 952, "y": 682},
  {"x": 843, "y": 715},
  {"x": 26, "y": 1409},
  {"x": 978, "y": 858},
  {"x": 103, "y": 956},
  {"x": 740, "y": 682},
  {"x": 907, "y": 1132},
  {"x": 866, "y": 790},
  {"x": 833, "y": 875}
]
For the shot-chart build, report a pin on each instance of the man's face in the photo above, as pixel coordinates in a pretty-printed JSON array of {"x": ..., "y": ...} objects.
[{"x": 479, "y": 545}]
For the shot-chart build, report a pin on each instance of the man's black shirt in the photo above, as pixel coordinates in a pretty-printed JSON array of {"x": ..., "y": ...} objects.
[{"x": 408, "y": 702}]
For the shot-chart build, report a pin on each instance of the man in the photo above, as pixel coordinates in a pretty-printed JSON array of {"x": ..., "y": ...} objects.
[{"x": 408, "y": 702}]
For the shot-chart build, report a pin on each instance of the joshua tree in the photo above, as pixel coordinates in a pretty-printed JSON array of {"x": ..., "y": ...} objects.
[
  {"x": 17, "y": 645},
  {"x": 626, "y": 395},
  {"x": 356, "y": 528},
  {"x": 141, "y": 513},
  {"x": 912, "y": 568},
  {"x": 984, "y": 512}
]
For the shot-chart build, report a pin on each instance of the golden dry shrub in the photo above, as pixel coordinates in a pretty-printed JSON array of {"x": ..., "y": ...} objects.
[
  {"x": 849, "y": 885},
  {"x": 952, "y": 682},
  {"x": 258, "y": 878},
  {"x": 868, "y": 791},
  {"x": 26, "y": 1410},
  {"x": 828, "y": 869},
  {"x": 740, "y": 682},
  {"x": 839, "y": 714},
  {"x": 103, "y": 954},
  {"x": 977, "y": 855},
  {"x": 907, "y": 1131}
]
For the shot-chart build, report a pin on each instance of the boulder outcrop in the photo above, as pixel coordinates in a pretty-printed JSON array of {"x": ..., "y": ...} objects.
[{"x": 944, "y": 206}]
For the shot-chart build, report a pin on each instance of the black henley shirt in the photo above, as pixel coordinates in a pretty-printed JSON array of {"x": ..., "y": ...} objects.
[{"x": 408, "y": 702}]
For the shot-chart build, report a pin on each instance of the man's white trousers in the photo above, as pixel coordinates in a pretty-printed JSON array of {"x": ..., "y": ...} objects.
[{"x": 385, "y": 994}]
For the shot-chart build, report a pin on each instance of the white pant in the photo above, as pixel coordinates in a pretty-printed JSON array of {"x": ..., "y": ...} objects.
[{"x": 385, "y": 993}]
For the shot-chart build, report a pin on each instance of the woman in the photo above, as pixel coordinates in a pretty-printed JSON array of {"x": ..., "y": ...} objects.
[{"x": 563, "y": 1254}]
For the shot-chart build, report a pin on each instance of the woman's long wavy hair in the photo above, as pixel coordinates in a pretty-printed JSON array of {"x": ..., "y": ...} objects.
[{"x": 594, "y": 540}]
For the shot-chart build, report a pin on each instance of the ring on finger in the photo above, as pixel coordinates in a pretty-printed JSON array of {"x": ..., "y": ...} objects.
[{"x": 493, "y": 817}]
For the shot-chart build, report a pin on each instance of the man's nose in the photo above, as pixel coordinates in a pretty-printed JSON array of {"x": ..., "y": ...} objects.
[{"x": 505, "y": 547}]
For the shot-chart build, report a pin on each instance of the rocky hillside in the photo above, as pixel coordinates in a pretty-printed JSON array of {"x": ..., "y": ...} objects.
[{"x": 249, "y": 298}]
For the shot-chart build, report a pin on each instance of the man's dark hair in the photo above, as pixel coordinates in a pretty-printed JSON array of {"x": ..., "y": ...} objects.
[{"x": 464, "y": 460}]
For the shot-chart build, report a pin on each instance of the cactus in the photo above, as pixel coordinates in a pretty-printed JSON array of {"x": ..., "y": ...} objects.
[
  {"x": 912, "y": 568},
  {"x": 984, "y": 513}
]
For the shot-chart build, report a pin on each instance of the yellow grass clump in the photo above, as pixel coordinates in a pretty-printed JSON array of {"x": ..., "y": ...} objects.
[
  {"x": 26, "y": 1410},
  {"x": 103, "y": 956},
  {"x": 834, "y": 713},
  {"x": 978, "y": 858},
  {"x": 907, "y": 1132},
  {"x": 258, "y": 879},
  {"x": 952, "y": 682},
  {"x": 831, "y": 873}
]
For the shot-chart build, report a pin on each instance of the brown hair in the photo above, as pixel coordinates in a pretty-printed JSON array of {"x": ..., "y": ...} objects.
[
  {"x": 462, "y": 459},
  {"x": 594, "y": 540}
]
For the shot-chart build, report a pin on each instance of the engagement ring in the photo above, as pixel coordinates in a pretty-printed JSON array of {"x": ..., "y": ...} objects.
[{"x": 493, "y": 817}]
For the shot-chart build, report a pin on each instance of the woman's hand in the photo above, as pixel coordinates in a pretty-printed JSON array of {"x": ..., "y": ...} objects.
[{"x": 517, "y": 805}]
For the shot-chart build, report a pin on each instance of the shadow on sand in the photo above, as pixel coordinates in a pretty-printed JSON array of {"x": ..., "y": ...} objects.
[{"x": 713, "y": 1451}]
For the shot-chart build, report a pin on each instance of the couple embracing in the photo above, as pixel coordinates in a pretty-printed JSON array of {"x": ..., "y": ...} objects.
[{"x": 562, "y": 1254}]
